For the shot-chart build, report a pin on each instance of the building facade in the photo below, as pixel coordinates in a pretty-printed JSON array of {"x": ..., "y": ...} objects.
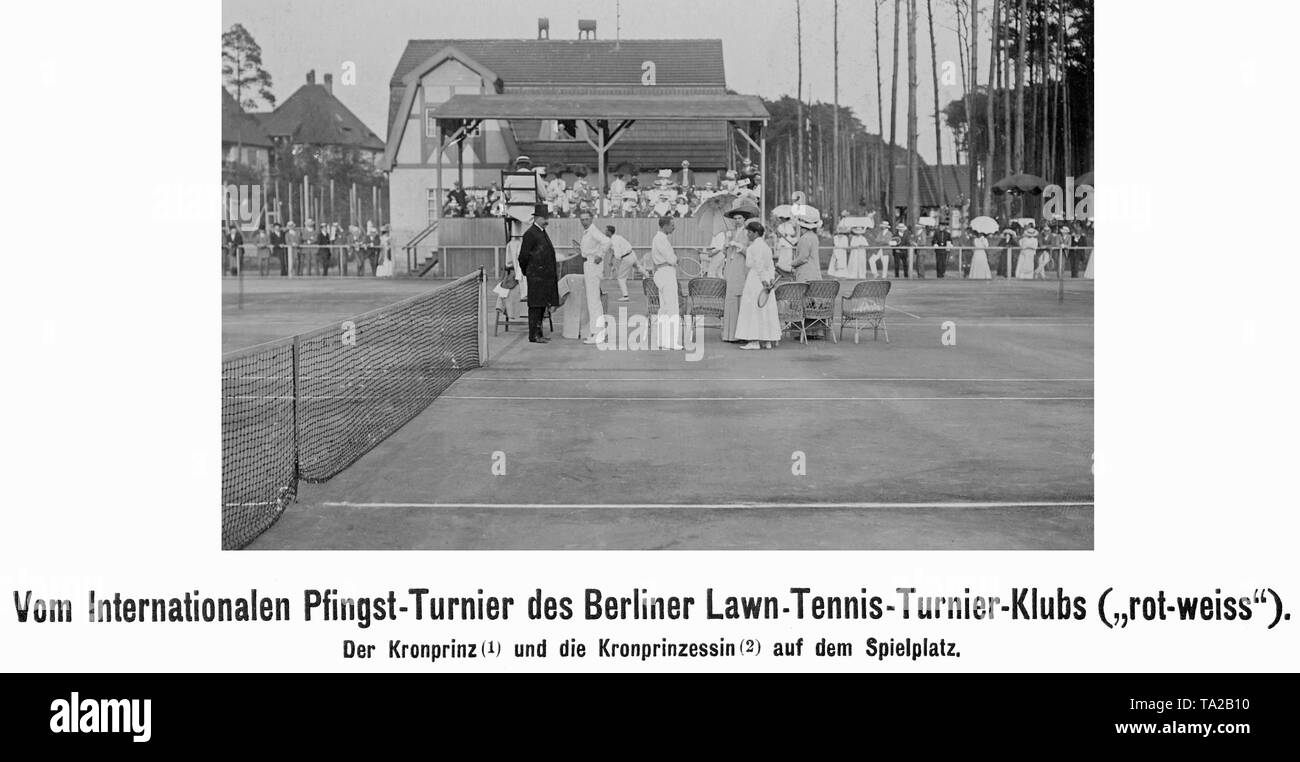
[{"x": 430, "y": 72}]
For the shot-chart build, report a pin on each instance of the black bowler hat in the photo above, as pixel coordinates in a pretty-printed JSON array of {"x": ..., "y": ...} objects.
[{"x": 541, "y": 210}]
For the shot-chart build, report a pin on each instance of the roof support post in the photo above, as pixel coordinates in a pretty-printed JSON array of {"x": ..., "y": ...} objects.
[{"x": 605, "y": 138}]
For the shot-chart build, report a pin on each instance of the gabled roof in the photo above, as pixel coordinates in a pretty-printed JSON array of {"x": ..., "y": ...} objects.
[
  {"x": 238, "y": 126},
  {"x": 313, "y": 116},
  {"x": 527, "y": 63}
]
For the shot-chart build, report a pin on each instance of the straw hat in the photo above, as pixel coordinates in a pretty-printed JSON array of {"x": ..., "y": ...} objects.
[
  {"x": 743, "y": 208},
  {"x": 812, "y": 219}
]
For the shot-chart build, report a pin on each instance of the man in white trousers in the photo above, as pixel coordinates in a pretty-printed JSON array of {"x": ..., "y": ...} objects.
[
  {"x": 663, "y": 261},
  {"x": 624, "y": 259},
  {"x": 595, "y": 248}
]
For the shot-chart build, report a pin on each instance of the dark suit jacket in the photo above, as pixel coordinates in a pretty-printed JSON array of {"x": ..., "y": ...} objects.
[{"x": 537, "y": 261}]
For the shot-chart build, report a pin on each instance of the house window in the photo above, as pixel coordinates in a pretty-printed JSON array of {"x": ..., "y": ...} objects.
[{"x": 433, "y": 204}]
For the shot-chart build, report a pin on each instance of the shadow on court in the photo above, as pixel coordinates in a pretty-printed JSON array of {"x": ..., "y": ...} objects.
[{"x": 908, "y": 445}]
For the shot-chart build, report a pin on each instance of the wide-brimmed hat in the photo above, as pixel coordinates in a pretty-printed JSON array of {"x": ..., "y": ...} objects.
[
  {"x": 743, "y": 208},
  {"x": 811, "y": 219},
  {"x": 291, "y": 225}
]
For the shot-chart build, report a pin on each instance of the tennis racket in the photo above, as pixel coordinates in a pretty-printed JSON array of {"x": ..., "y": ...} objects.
[{"x": 690, "y": 265}]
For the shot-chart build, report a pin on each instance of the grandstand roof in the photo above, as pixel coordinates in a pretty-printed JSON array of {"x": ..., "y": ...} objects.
[{"x": 648, "y": 108}]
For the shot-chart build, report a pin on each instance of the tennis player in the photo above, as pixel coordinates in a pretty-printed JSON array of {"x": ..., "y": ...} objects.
[
  {"x": 595, "y": 247},
  {"x": 624, "y": 259}
]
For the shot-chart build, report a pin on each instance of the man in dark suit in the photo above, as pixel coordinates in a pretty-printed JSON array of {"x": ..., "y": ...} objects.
[
  {"x": 941, "y": 241},
  {"x": 277, "y": 248},
  {"x": 537, "y": 263},
  {"x": 234, "y": 248}
]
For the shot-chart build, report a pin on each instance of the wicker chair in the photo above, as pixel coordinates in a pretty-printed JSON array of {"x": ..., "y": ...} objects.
[
  {"x": 790, "y": 298},
  {"x": 866, "y": 307},
  {"x": 707, "y": 296},
  {"x": 819, "y": 306},
  {"x": 652, "y": 297}
]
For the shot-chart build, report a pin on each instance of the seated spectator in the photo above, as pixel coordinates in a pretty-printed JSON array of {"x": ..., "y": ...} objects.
[{"x": 457, "y": 194}]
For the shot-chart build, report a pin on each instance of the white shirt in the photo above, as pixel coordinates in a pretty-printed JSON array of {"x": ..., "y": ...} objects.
[
  {"x": 661, "y": 252},
  {"x": 719, "y": 241},
  {"x": 594, "y": 243},
  {"x": 621, "y": 246},
  {"x": 616, "y": 188}
]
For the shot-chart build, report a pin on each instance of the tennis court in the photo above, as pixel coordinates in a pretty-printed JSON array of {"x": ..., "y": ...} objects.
[{"x": 907, "y": 445}]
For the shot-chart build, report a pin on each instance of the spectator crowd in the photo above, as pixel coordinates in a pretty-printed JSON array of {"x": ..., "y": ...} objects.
[
  {"x": 669, "y": 195},
  {"x": 313, "y": 250}
]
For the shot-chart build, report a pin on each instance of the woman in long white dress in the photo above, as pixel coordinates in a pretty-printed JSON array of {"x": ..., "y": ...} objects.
[
  {"x": 787, "y": 235},
  {"x": 979, "y": 262},
  {"x": 1028, "y": 251},
  {"x": 858, "y": 244},
  {"x": 760, "y": 327},
  {"x": 839, "y": 264}
]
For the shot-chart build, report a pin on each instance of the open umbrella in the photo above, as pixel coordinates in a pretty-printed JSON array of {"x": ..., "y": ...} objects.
[
  {"x": 711, "y": 210},
  {"x": 1083, "y": 179},
  {"x": 985, "y": 225},
  {"x": 1019, "y": 184},
  {"x": 848, "y": 223}
]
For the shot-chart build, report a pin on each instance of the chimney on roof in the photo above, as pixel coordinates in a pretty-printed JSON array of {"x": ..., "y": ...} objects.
[
  {"x": 329, "y": 83},
  {"x": 586, "y": 29},
  {"x": 543, "y": 28},
  {"x": 311, "y": 77}
]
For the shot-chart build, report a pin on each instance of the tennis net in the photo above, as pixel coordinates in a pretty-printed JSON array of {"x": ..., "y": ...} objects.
[{"x": 306, "y": 407}]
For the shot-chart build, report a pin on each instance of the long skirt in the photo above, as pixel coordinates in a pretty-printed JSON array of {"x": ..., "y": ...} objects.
[
  {"x": 735, "y": 275},
  {"x": 839, "y": 265},
  {"x": 979, "y": 266},
  {"x": 757, "y": 323},
  {"x": 1025, "y": 264},
  {"x": 668, "y": 321},
  {"x": 857, "y": 265}
]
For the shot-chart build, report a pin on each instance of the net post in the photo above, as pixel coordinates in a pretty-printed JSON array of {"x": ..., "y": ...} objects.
[
  {"x": 482, "y": 319},
  {"x": 297, "y": 439}
]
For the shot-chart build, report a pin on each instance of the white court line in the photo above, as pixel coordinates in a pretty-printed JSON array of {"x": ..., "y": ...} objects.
[
  {"x": 905, "y": 312},
  {"x": 709, "y": 506},
  {"x": 511, "y": 379},
  {"x": 760, "y": 399}
]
